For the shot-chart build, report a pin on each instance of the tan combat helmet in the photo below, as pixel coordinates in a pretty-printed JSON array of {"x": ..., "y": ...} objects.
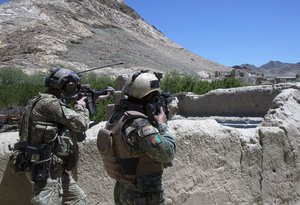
[{"x": 140, "y": 84}]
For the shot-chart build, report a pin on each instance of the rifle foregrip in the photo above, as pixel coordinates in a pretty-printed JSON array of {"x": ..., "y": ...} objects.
[{"x": 100, "y": 92}]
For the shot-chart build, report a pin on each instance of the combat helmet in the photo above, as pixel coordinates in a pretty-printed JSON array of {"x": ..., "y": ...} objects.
[
  {"x": 63, "y": 80},
  {"x": 140, "y": 84}
]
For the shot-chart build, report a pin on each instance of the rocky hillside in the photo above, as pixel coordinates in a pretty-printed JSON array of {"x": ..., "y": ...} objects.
[{"x": 35, "y": 35}]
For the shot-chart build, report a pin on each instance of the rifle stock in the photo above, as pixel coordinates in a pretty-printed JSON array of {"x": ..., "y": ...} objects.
[{"x": 163, "y": 100}]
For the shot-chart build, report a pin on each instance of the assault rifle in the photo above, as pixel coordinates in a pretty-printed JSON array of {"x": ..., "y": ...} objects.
[
  {"x": 92, "y": 95},
  {"x": 162, "y": 100}
]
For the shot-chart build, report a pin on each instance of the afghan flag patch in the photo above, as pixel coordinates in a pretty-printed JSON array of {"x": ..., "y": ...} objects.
[{"x": 153, "y": 141}]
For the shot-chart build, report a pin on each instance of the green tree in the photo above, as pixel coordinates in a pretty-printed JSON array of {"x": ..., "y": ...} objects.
[{"x": 16, "y": 87}]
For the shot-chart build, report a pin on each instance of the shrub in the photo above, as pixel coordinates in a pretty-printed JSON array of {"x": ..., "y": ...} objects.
[{"x": 175, "y": 82}]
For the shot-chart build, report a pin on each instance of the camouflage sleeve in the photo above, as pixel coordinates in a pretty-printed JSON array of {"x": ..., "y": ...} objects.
[
  {"x": 77, "y": 119},
  {"x": 159, "y": 143}
]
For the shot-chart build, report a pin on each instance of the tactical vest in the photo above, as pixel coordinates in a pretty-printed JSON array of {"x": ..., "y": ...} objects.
[
  {"x": 35, "y": 130},
  {"x": 115, "y": 152},
  {"x": 43, "y": 132}
]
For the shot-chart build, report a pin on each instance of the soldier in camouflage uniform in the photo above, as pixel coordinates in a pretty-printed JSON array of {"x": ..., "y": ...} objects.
[
  {"x": 49, "y": 133},
  {"x": 135, "y": 149}
]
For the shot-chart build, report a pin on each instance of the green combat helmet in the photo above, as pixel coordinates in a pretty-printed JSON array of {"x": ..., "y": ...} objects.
[{"x": 63, "y": 81}]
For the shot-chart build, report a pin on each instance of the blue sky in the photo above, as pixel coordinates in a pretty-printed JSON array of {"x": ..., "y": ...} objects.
[{"x": 230, "y": 32}]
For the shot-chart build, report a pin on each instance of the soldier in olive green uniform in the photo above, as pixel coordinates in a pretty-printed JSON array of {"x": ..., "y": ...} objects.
[
  {"x": 134, "y": 148},
  {"x": 49, "y": 133}
]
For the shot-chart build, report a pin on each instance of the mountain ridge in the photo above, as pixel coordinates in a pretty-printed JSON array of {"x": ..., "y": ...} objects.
[{"x": 275, "y": 68}]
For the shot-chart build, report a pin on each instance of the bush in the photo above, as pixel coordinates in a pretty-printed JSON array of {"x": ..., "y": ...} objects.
[{"x": 175, "y": 82}]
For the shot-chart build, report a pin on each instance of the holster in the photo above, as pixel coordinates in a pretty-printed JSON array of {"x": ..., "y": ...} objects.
[
  {"x": 19, "y": 158},
  {"x": 40, "y": 158}
]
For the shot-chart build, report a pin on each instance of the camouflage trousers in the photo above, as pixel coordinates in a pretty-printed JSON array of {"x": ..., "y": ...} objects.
[
  {"x": 58, "y": 191},
  {"x": 127, "y": 194}
]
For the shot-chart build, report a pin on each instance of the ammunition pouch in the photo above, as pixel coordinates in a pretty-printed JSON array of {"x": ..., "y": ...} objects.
[
  {"x": 66, "y": 150},
  {"x": 63, "y": 147},
  {"x": 43, "y": 133}
]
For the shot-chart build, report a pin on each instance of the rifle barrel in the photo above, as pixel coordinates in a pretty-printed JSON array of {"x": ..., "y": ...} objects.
[{"x": 114, "y": 64}]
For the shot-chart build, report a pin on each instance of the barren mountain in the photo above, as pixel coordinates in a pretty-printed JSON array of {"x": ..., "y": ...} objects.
[
  {"x": 275, "y": 68},
  {"x": 38, "y": 34}
]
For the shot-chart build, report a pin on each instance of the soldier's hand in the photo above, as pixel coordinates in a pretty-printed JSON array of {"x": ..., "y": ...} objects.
[
  {"x": 103, "y": 97},
  {"x": 81, "y": 102},
  {"x": 161, "y": 117}
]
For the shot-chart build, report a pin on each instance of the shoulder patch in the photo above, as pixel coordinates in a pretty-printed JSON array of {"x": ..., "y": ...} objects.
[
  {"x": 153, "y": 141},
  {"x": 148, "y": 130}
]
